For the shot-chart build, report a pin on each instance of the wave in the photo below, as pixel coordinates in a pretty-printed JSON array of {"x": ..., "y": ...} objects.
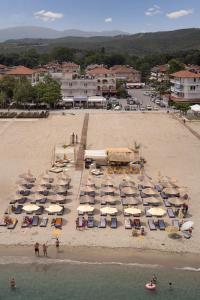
[{"x": 189, "y": 269}]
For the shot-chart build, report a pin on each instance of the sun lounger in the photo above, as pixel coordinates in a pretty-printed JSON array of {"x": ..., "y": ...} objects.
[
  {"x": 161, "y": 224},
  {"x": 22, "y": 201},
  {"x": 142, "y": 195},
  {"x": 44, "y": 222},
  {"x": 35, "y": 221},
  {"x": 80, "y": 222},
  {"x": 13, "y": 225},
  {"x": 127, "y": 224},
  {"x": 113, "y": 224},
  {"x": 18, "y": 209},
  {"x": 139, "y": 187},
  {"x": 61, "y": 212},
  {"x": 39, "y": 211},
  {"x": 158, "y": 188},
  {"x": 166, "y": 203},
  {"x": 163, "y": 195},
  {"x": 43, "y": 201},
  {"x": 147, "y": 214},
  {"x": 151, "y": 224},
  {"x": 102, "y": 223},
  {"x": 90, "y": 222},
  {"x": 170, "y": 213},
  {"x": 58, "y": 223},
  {"x": 13, "y": 201},
  {"x": 176, "y": 223},
  {"x": 136, "y": 223}
]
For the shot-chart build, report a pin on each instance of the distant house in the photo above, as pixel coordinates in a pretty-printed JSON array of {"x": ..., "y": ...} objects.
[
  {"x": 21, "y": 71},
  {"x": 106, "y": 80},
  {"x": 126, "y": 73},
  {"x": 159, "y": 73},
  {"x": 70, "y": 67},
  {"x": 185, "y": 87}
]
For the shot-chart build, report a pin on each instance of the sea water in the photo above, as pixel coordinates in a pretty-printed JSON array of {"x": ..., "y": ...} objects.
[{"x": 88, "y": 281}]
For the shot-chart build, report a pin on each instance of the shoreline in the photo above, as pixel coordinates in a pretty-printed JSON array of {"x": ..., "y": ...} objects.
[{"x": 99, "y": 255}]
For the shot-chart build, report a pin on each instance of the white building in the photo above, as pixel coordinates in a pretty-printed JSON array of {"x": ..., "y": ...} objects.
[
  {"x": 185, "y": 86},
  {"x": 78, "y": 87}
]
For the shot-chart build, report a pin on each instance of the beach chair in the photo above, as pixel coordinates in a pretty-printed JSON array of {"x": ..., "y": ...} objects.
[
  {"x": 170, "y": 213},
  {"x": 35, "y": 221},
  {"x": 25, "y": 224},
  {"x": 127, "y": 224},
  {"x": 136, "y": 223},
  {"x": 13, "y": 225},
  {"x": 139, "y": 187},
  {"x": 22, "y": 201},
  {"x": 18, "y": 209},
  {"x": 163, "y": 195},
  {"x": 80, "y": 222},
  {"x": 90, "y": 222},
  {"x": 151, "y": 224},
  {"x": 39, "y": 211},
  {"x": 58, "y": 223},
  {"x": 44, "y": 222},
  {"x": 176, "y": 223},
  {"x": 147, "y": 214},
  {"x": 60, "y": 213},
  {"x": 161, "y": 224},
  {"x": 92, "y": 201},
  {"x": 142, "y": 195},
  {"x": 166, "y": 203},
  {"x": 43, "y": 201},
  {"x": 113, "y": 223},
  {"x": 158, "y": 188},
  {"x": 102, "y": 223}
]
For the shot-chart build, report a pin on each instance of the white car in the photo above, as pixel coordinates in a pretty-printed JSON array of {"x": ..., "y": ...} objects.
[
  {"x": 149, "y": 107},
  {"x": 117, "y": 108},
  {"x": 157, "y": 101},
  {"x": 155, "y": 108},
  {"x": 146, "y": 94}
]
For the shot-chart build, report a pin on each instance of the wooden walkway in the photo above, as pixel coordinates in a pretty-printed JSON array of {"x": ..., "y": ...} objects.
[{"x": 83, "y": 144}]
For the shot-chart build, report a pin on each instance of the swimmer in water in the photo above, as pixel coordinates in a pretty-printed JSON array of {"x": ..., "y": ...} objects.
[
  {"x": 13, "y": 283},
  {"x": 154, "y": 278}
]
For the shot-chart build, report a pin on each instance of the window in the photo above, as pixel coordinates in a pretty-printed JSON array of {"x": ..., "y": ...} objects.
[
  {"x": 195, "y": 79},
  {"x": 192, "y": 88},
  {"x": 85, "y": 91}
]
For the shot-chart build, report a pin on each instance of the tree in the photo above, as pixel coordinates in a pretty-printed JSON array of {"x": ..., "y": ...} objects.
[
  {"x": 7, "y": 86},
  {"x": 62, "y": 54},
  {"x": 24, "y": 92},
  {"x": 175, "y": 65},
  {"x": 48, "y": 91}
]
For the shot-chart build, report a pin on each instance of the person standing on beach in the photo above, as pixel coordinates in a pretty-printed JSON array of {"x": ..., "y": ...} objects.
[
  {"x": 57, "y": 244},
  {"x": 12, "y": 283},
  {"x": 44, "y": 249},
  {"x": 37, "y": 250}
]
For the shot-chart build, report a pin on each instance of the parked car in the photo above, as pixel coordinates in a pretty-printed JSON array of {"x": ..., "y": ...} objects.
[
  {"x": 146, "y": 94},
  {"x": 155, "y": 108},
  {"x": 149, "y": 107},
  {"x": 157, "y": 101},
  {"x": 142, "y": 108}
]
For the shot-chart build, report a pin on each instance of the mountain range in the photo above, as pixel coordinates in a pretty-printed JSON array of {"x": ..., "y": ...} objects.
[{"x": 34, "y": 32}]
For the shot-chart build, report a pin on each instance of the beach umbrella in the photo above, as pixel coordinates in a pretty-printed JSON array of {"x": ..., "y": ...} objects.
[
  {"x": 87, "y": 189},
  {"x": 126, "y": 183},
  {"x": 131, "y": 201},
  {"x": 132, "y": 211},
  {"x": 39, "y": 188},
  {"x": 107, "y": 177},
  {"x": 86, "y": 198},
  {"x": 63, "y": 182},
  {"x": 36, "y": 197},
  {"x": 147, "y": 183},
  {"x": 57, "y": 198},
  {"x": 172, "y": 229},
  {"x": 108, "y": 190},
  {"x": 107, "y": 183},
  {"x": 108, "y": 198},
  {"x": 46, "y": 176},
  {"x": 150, "y": 192},
  {"x": 54, "y": 208},
  {"x": 90, "y": 182},
  {"x": 85, "y": 208},
  {"x": 171, "y": 191},
  {"x": 176, "y": 201},
  {"x": 187, "y": 225},
  {"x": 60, "y": 189},
  {"x": 109, "y": 210},
  {"x": 30, "y": 207},
  {"x": 153, "y": 200},
  {"x": 129, "y": 191},
  {"x": 157, "y": 211}
]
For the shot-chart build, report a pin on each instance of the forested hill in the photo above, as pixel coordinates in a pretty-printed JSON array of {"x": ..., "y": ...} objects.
[{"x": 136, "y": 44}]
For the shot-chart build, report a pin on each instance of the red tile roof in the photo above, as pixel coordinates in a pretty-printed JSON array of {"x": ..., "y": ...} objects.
[
  {"x": 21, "y": 70},
  {"x": 69, "y": 64},
  {"x": 185, "y": 74},
  {"x": 99, "y": 71}
]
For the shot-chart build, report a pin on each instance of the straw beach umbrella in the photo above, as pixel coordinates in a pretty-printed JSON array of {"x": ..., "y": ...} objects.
[
  {"x": 109, "y": 210},
  {"x": 57, "y": 198},
  {"x": 108, "y": 198},
  {"x": 85, "y": 208},
  {"x": 30, "y": 207},
  {"x": 108, "y": 190},
  {"x": 129, "y": 191},
  {"x": 63, "y": 182},
  {"x": 47, "y": 176},
  {"x": 60, "y": 189},
  {"x": 87, "y": 189},
  {"x": 132, "y": 211},
  {"x": 176, "y": 201},
  {"x": 54, "y": 208},
  {"x": 132, "y": 200},
  {"x": 171, "y": 191},
  {"x": 157, "y": 211},
  {"x": 150, "y": 192},
  {"x": 107, "y": 183},
  {"x": 90, "y": 182},
  {"x": 153, "y": 200},
  {"x": 86, "y": 199}
]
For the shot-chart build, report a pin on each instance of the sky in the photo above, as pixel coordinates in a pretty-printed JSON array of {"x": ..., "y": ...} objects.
[{"x": 97, "y": 15}]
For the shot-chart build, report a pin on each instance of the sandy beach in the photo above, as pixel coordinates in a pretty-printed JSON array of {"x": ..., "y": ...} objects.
[{"x": 166, "y": 144}]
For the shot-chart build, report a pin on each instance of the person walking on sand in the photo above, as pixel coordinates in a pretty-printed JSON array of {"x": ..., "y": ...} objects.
[
  {"x": 44, "y": 249},
  {"x": 12, "y": 283},
  {"x": 37, "y": 250},
  {"x": 57, "y": 244}
]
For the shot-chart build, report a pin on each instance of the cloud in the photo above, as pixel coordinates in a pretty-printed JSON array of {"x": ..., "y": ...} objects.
[
  {"x": 108, "y": 20},
  {"x": 45, "y": 15},
  {"x": 152, "y": 11},
  {"x": 179, "y": 13}
]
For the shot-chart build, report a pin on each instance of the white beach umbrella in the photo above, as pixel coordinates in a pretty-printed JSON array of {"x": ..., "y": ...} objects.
[
  {"x": 85, "y": 208},
  {"x": 157, "y": 211},
  {"x": 54, "y": 208},
  {"x": 187, "y": 225},
  {"x": 30, "y": 207},
  {"x": 109, "y": 210},
  {"x": 132, "y": 211}
]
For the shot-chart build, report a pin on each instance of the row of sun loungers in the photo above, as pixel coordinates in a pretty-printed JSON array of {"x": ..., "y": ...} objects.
[
  {"x": 29, "y": 222},
  {"x": 89, "y": 223}
]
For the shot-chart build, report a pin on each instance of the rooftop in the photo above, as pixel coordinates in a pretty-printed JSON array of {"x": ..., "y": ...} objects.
[
  {"x": 21, "y": 70},
  {"x": 185, "y": 74}
]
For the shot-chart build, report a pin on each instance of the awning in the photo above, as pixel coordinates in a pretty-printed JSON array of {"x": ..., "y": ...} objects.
[
  {"x": 97, "y": 99},
  {"x": 80, "y": 99},
  {"x": 68, "y": 99},
  {"x": 96, "y": 154}
]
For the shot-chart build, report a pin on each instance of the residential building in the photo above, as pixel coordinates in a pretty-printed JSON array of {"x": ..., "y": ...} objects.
[
  {"x": 70, "y": 67},
  {"x": 78, "y": 87},
  {"x": 159, "y": 73},
  {"x": 185, "y": 87},
  {"x": 21, "y": 71},
  {"x": 106, "y": 80},
  {"x": 126, "y": 73}
]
